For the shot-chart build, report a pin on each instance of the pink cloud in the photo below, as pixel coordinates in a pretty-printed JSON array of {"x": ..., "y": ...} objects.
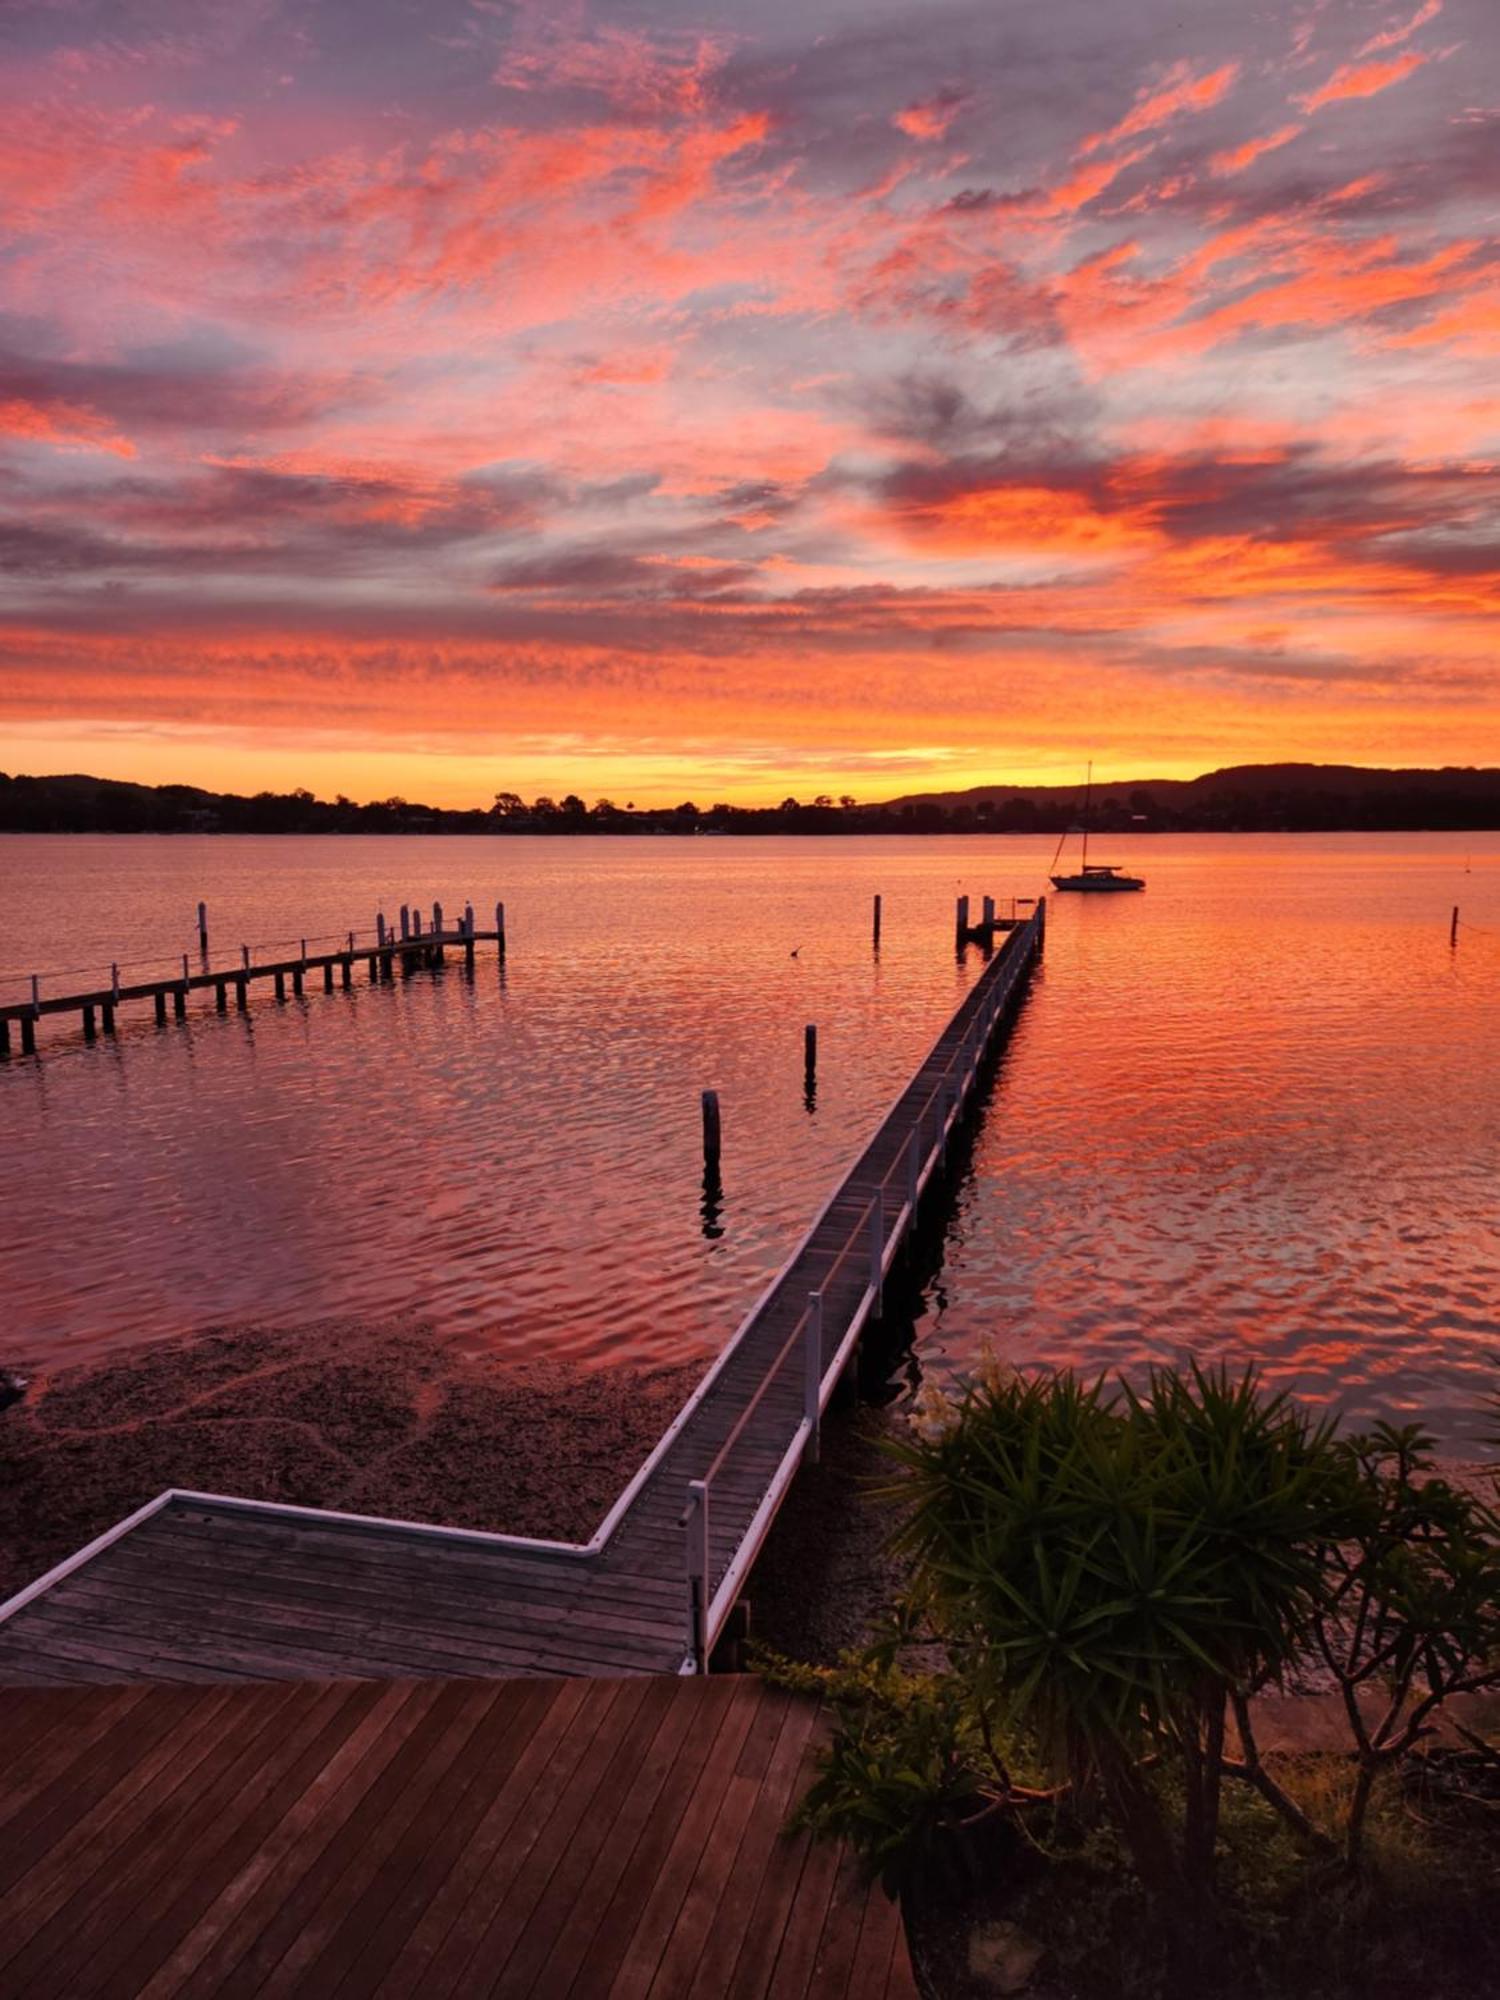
[
  {"x": 1392, "y": 38},
  {"x": 1235, "y": 159},
  {"x": 1355, "y": 80},
  {"x": 1180, "y": 91}
]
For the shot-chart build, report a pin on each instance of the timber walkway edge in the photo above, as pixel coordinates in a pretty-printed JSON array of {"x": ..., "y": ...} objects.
[{"x": 207, "y": 1587}]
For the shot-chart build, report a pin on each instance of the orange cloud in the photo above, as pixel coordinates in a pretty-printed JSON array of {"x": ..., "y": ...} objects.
[
  {"x": 1394, "y": 37},
  {"x": 1362, "y": 80},
  {"x": 63, "y": 424},
  {"x": 1236, "y": 158},
  {"x": 1180, "y": 91}
]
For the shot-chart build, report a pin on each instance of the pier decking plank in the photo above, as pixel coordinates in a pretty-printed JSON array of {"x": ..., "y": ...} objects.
[{"x": 205, "y": 1588}]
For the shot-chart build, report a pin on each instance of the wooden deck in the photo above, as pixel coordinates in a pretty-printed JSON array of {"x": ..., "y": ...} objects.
[
  {"x": 620, "y": 1838},
  {"x": 204, "y": 1587}
]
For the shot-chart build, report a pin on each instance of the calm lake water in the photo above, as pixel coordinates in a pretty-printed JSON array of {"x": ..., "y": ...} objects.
[{"x": 1253, "y": 1113}]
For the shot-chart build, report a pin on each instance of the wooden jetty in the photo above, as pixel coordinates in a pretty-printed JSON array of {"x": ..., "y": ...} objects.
[
  {"x": 382, "y": 954},
  {"x": 202, "y": 1587},
  {"x": 567, "y": 1840}
]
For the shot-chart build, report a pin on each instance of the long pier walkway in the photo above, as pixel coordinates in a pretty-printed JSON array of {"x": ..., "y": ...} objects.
[{"x": 201, "y": 1587}]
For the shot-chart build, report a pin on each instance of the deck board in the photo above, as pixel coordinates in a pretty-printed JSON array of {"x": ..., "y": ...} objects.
[{"x": 527, "y": 1838}]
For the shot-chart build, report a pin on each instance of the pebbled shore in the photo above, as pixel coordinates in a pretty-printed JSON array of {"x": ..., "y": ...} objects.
[{"x": 380, "y": 1419}]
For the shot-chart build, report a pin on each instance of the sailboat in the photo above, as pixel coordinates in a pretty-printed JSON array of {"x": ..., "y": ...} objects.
[{"x": 1094, "y": 877}]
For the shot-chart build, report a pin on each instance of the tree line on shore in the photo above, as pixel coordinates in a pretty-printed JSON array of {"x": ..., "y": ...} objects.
[{"x": 1246, "y": 798}]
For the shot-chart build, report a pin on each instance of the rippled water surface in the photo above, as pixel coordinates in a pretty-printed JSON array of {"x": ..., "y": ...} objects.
[{"x": 1253, "y": 1112}]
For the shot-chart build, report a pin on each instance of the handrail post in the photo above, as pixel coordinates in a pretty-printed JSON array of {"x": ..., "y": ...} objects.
[
  {"x": 697, "y": 1573},
  {"x": 877, "y": 1250},
  {"x": 812, "y": 1391}
]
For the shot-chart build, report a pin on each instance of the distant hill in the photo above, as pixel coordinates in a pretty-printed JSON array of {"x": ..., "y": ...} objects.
[
  {"x": 1243, "y": 798},
  {"x": 1257, "y": 798}
]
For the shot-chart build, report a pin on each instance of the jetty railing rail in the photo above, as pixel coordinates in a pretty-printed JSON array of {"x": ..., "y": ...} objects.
[
  {"x": 21, "y": 989},
  {"x": 803, "y": 1368}
]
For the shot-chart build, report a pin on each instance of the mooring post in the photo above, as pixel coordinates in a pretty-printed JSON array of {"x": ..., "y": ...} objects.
[
  {"x": 469, "y": 918},
  {"x": 107, "y": 1017},
  {"x": 1453, "y": 928},
  {"x": 500, "y": 929},
  {"x": 405, "y": 922},
  {"x": 380, "y": 930},
  {"x": 242, "y": 993},
  {"x": 875, "y": 925},
  {"x": 437, "y": 917},
  {"x": 88, "y": 1024},
  {"x": 812, "y": 1381},
  {"x": 221, "y": 999},
  {"x": 179, "y": 1002},
  {"x": 989, "y": 912},
  {"x": 280, "y": 986},
  {"x": 346, "y": 973},
  {"x": 416, "y": 923},
  {"x": 28, "y": 1034},
  {"x": 810, "y": 1052},
  {"x": 328, "y": 975},
  {"x": 961, "y": 920},
  {"x": 203, "y": 927},
  {"x": 697, "y": 1572},
  {"x": 711, "y": 1129},
  {"x": 161, "y": 1006}
]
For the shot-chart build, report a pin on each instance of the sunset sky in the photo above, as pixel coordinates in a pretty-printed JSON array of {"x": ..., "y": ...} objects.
[{"x": 693, "y": 399}]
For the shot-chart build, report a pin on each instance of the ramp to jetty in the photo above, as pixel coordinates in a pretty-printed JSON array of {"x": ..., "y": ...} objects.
[{"x": 204, "y": 1587}]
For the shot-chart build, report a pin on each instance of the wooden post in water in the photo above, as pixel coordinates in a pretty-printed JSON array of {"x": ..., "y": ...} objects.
[
  {"x": 161, "y": 1006},
  {"x": 875, "y": 925},
  {"x": 1453, "y": 929},
  {"x": 961, "y": 921},
  {"x": 107, "y": 1017},
  {"x": 179, "y": 1002},
  {"x": 328, "y": 975},
  {"x": 280, "y": 986},
  {"x": 88, "y": 1024},
  {"x": 405, "y": 922},
  {"x": 297, "y": 981},
  {"x": 221, "y": 999},
  {"x": 242, "y": 994},
  {"x": 380, "y": 930},
  {"x": 500, "y": 929},
  {"x": 28, "y": 1034},
  {"x": 711, "y": 1129},
  {"x": 810, "y": 1052},
  {"x": 812, "y": 1383},
  {"x": 203, "y": 927},
  {"x": 989, "y": 912},
  {"x": 346, "y": 973}
]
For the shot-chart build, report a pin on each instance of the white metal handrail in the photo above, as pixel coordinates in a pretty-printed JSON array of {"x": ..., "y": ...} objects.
[{"x": 709, "y": 1607}]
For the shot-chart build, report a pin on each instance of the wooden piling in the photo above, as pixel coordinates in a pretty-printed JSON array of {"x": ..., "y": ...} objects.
[
  {"x": 280, "y": 986},
  {"x": 297, "y": 981},
  {"x": 989, "y": 912},
  {"x": 107, "y": 1017},
  {"x": 810, "y": 1050},
  {"x": 961, "y": 920},
  {"x": 161, "y": 1007},
  {"x": 405, "y": 922},
  {"x": 89, "y": 1029},
  {"x": 875, "y": 925},
  {"x": 221, "y": 998},
  {"x": 711, "y": 1129},
  {"x": 28, "y": 1035},
  {"x": 346, "y": 974},
  {"x": 500, "y": 930},
  {"x": 242, "y": 994},
  {"x": 179, "y": 1003},
  {"x": 328, "y": 975},
  {"x": 1453, "y": 929},
  {"x": 203, "y": 927}
]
